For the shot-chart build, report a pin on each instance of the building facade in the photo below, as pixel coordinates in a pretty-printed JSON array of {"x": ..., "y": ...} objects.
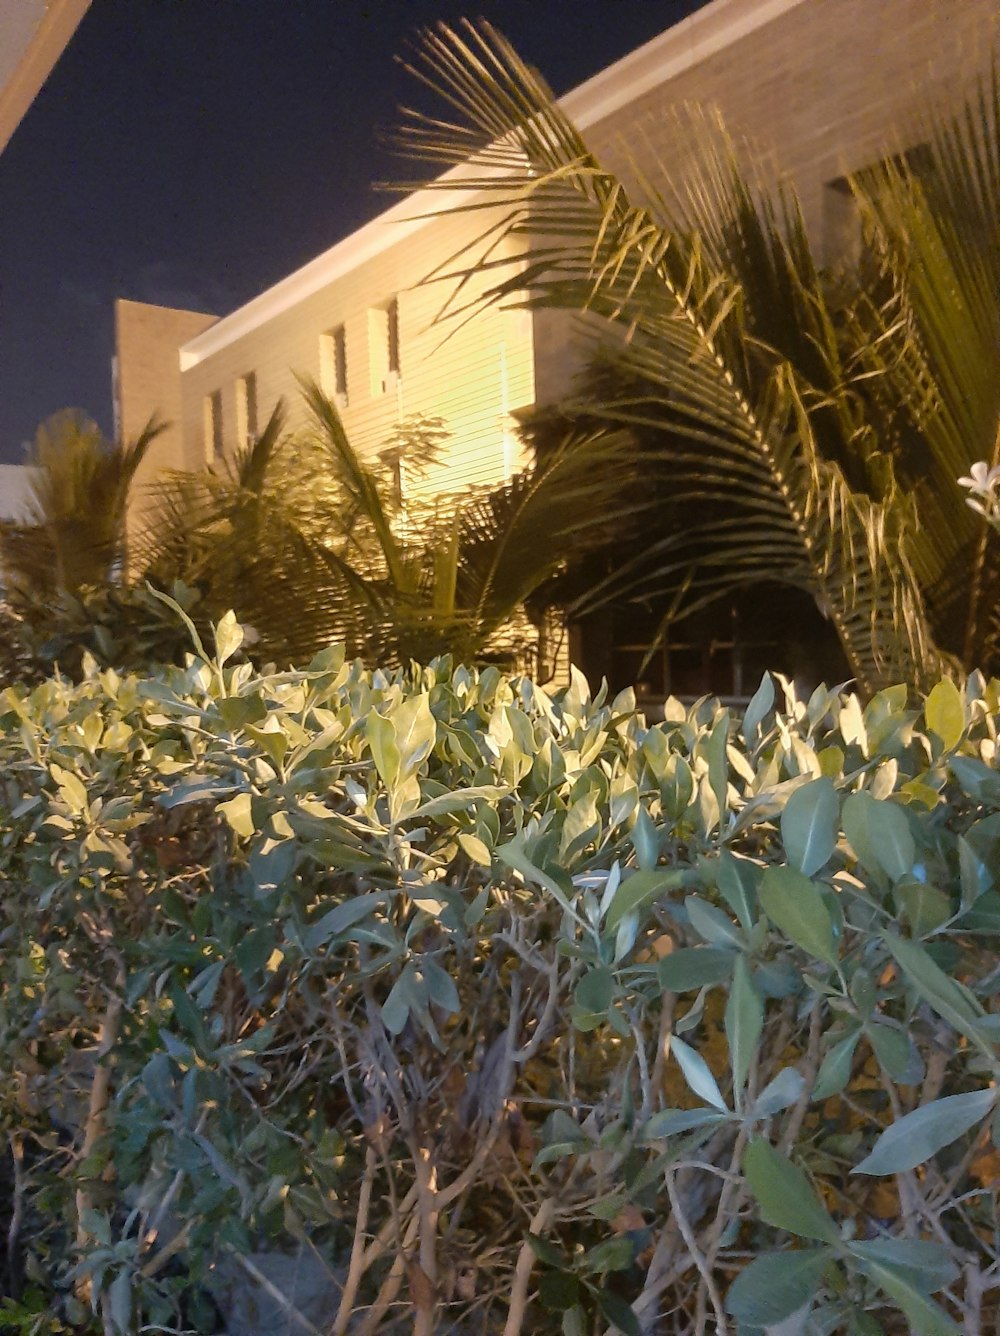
[{"x": 815, "y": 89}]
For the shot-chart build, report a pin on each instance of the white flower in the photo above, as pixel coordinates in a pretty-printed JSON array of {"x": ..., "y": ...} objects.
[{"x": 983, "y": 479}]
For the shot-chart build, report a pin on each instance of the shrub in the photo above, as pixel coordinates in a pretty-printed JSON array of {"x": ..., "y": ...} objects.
[
  {"x": 433, "y": 1001},
  {"x": 120, "y": 626}
]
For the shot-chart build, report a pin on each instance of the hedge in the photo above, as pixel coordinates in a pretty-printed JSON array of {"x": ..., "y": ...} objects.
[{"x": 348, "y": 1001}]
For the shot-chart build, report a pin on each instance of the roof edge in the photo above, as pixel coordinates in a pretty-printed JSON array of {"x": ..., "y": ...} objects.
[
  {"x": 58, "y": 24},
  {"x": 673, "y": 51}
]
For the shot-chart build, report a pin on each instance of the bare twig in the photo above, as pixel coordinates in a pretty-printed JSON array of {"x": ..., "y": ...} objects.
[{"x": 522, "y": 1271}]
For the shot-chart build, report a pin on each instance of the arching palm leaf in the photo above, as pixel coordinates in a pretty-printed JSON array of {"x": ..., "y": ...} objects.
[
  {"x": 728, "y": 329},
  {"x": 74, "y": 532}
]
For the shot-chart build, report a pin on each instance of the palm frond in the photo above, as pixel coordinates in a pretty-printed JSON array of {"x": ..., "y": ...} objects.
[{"x": 726, "y": 325}]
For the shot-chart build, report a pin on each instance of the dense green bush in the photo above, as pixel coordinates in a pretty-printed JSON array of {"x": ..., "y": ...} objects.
[
  {"x": 128, "y": 626},
  {"x": 488, "y": 1009}
]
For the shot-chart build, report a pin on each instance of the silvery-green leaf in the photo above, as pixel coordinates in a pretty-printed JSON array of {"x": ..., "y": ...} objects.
[
  {"x": 711, "y": 924},
  {"x": 744, "y": 1022},
  {"x": 795, "y": 906},
  {"x": 918, "y": 1136},
  {"x": 697, "y": 1074},
  {"x": 694, "y": 967},
  {"x": 673, "y": 1121},
  {"x": 761, "y": 704},
  {"x": 776, "y": 1285},
  {"x": 948, "y": 998},
  {"x": 779, "y": 1094},
  {"x": 809, "y": 826},
  {"x": 897, "y": 1053},
  {"x": 929, "y": 1265},
  {"x": 835, "y": 1069},
  {"x": 879, "y": 833},
  {"x": 785, "y": 1196}
]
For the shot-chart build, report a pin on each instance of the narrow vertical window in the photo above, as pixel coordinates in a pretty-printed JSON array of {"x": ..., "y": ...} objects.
[
  {"x": 333, "y": 364},
  {"x": 384, "y": 346},
  {"x": 392, "y": 334},
  {"x": 212, "y": 419},
  {"x": 246, "y": 408}
]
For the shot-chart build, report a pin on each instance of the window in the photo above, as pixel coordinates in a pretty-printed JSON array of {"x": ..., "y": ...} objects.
[
  {"x": 392, "y": 334},
  {"x": 333, "y": 364},
  {"x": 212, "y": 420},
  {"x": 384, "y": 346},
  {"x": 246, "y": 409}
]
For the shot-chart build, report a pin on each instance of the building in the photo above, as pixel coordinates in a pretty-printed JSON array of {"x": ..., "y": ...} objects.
[
  {"x": 829, "y": 85},
  {"x": 33, "y": 35}
]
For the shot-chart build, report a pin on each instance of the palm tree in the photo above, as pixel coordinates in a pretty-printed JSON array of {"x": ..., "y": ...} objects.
[
  {"x": 310, "y": 542},
  {"x": 74, "y": 533},
  {"x": 793, "y": 418}
]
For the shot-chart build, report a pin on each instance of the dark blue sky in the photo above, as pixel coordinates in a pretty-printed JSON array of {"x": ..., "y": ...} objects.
[{"x": 192, "y": 152}]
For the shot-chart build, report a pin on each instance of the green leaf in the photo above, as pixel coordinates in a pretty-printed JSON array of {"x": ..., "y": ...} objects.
[
  {"x": 415, "y": 732},
  {"x": 924, "y": 907},
  {"x": 948, "y": 998},
  {"x": 228, "y": 637},
  {"x": 638, "y": 888},
  {"x": 440, "y": 986},
  {"x": 710, "y": 923},
  {"x": 574, "y": 1322},
  {"x": 835, "y": 1069},
  {"x": 944, "y": 711},
  {"x": 694, "y": 967},
  {"x": 697, "y": 1074},
  {"x": 158, "y": 1078},
  {"x": 620, "y": 1314},
  {"x": 718, "y": 764},
  {"x": 558, "y": 1290},
  {"x": 612, "y": 1255},
  {"x": 238, "y": 814},
  {"x": 776, "y": 1285},
  {"x": 879, "y": 833},
  {"x": 744, "y": 1023},
  {"x": 784, "y": 1194},
  {"x": 341, "y": 918},
  {"x": 919, "y": 1135},
  {"x": 96, "y": 1224},
  {"x": 459, "y": 801},
  {"x": 396, "y": 1007},
  {"x": 516, "y": 856},
  {"x": 545, "y": 1250},
  {"x": 930, "y": 1267},
  {"x": 120, "y": 1303},
  {"x": 795, "y": 906},
  {"x": 925, "y": 1318},
  {"x": 737, "y": 879},
  {"x": 381, "y": 735},
  {"x": 781, "y": 1093},
  {"x": 72, "y": 790},
  {"x": 645, "y": 840},
  {"x": 761, "y": 703},
  {"x": 595, "y": 991},
  {"x": 670, "y": 1122},
  {"x": 474, "y": 849},
  {"x": 897, "y": 1053},
  {"x": 809, "y": 825}
]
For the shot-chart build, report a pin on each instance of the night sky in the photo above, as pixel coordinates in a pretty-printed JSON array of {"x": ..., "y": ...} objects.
[{"x": 193, "y": 152}]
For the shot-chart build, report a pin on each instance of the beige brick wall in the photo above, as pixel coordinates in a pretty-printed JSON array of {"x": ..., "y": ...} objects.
[
  {"x": 148, "y": 381},
  {"x": 473, "y": 375},
  {"x": 825, "y": 88}
]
